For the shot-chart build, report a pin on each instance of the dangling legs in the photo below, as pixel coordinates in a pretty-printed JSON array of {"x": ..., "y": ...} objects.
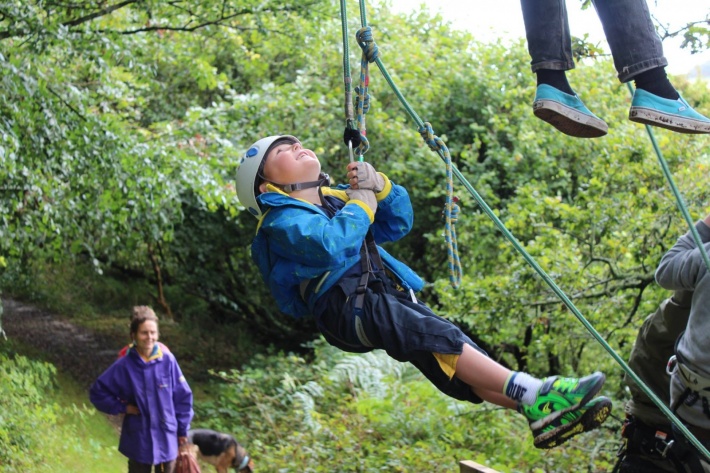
[
  {"x": 550, "y": 48},
  {"x": 556, "y": 408},
  {"x": 638, "y": 54}
]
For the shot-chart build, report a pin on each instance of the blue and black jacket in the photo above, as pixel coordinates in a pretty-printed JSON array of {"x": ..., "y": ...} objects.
[{"x": 297, "y": 241}]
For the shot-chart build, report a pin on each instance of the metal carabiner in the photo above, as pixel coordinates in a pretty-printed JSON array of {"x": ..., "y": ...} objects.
[{"x": 672, "y": 365}]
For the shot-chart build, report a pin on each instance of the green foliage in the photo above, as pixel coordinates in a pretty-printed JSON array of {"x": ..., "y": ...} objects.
[
  {"x": 24, "y": 417},
  {"x": 120, "y": 133},
  {"x": 344, "y": 412},
  {"x": 45, "y": 425}
]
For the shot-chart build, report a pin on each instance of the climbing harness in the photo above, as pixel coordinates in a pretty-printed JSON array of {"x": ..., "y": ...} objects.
[
  {"x": 697, "y": 386},
  {"x": 647, "y": 449}
]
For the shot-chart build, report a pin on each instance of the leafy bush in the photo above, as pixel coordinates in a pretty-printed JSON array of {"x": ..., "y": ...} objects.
[
  {"x": 45, "y": 423},
  {"x": 352, "y": 413},
  {"x": 27, "y": 414}
]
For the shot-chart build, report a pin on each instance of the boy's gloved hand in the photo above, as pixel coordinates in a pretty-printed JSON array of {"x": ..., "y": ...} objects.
[
  {"x": 365, "y": 195},
  {"x": 362, "y": 175}
]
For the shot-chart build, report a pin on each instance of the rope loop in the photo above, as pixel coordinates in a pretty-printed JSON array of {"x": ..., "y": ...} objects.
[
  {"x": 364, "y": 145},
  {"x": 451, "y": 208},
  {"x": 367, "y": 44},
  {"x": 434, "y": 142},
  {"x": 454, "y": 213}
]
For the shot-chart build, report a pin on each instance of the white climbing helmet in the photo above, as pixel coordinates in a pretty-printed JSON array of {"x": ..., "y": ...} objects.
[{"x": 248, "y": 170}]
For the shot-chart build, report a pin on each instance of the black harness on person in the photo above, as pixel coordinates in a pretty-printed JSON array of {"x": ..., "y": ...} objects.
[
  {"x": 647, "y": 447},
  {"x": 658, "y": 445},
  {"x": 368, "y": 255}
]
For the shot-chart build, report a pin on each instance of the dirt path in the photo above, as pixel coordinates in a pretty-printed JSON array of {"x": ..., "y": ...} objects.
[{"x": 74, "y": 350}]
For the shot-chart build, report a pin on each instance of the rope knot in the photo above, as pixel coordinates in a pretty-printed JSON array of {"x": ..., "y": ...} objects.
[
  {"x": 451, "y": 211},
  {"x": 367, "y": 44},
  {"x": 434, "y": 142}
]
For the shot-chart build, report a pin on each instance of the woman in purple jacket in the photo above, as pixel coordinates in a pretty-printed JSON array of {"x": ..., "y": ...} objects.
[{"x": 148, "y": 386}]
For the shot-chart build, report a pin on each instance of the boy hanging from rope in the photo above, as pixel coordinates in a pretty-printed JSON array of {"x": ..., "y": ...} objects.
[{"x": 317, "y": 249}]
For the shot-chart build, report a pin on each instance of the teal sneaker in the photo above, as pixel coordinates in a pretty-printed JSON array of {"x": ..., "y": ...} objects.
[
  {"x": 675, "y": 115},
  {"x": 567, "y": 113},
  {"x": 557, "y": 411}
]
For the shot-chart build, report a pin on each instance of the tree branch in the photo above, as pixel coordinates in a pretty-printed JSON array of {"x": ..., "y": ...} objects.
[
  {"x": 99, "y": 13},
  {"x": 108, "y": 10}
]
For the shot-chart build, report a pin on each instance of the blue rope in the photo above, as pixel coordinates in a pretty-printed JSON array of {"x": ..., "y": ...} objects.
[
  {"x": 370, "y": 53},
  {"x": 451, "y": 208}
]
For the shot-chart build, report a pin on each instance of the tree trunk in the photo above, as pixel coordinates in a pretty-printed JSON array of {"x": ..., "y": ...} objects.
[{"x": 159, "y": 283}]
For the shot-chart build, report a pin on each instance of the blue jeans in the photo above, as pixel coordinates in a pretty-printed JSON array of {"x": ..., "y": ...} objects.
[{"x": 635, "y": 45}]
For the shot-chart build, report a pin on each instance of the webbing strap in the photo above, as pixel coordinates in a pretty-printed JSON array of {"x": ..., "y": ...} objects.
[{"x": 368, "y": 254}]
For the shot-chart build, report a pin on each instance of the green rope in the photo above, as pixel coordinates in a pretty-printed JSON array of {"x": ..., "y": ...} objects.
[
  {"x": 347, "y": 80},
  {"x": 369, "y": 54},
  {"x": 698, "y": 242},
  {"x": 531, "y": 261}
]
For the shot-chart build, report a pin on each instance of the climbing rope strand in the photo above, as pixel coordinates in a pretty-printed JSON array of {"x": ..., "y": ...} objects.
[
  {"x": 679, "y": 199},
  {"x": 451, "y": 209},
  {"x": 369, "y": 54},
  {"x": 347, "y": 81}
]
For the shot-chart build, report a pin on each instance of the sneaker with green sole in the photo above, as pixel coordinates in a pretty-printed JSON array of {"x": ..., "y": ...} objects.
[
  {"x": 589, "y": 417},
  {"x": 557, "y": 397}
]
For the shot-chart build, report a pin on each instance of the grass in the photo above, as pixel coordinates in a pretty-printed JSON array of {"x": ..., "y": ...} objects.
[
  {"x": 79, "y": 439},
  {"x": 87, "y": 440}
]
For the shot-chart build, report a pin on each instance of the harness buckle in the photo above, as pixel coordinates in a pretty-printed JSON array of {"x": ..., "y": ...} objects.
[{"x": 667, "y": 447}]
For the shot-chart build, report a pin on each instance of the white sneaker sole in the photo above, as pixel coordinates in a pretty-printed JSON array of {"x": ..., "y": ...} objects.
[
  {"x": 568, "y": 120},
  {"x": 677, "y": 123}
]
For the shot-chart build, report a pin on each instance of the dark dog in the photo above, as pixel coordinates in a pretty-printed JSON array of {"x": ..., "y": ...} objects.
[{"x": 220, "y": 450}]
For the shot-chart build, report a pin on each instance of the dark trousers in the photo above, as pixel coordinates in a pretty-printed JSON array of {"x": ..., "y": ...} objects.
[
  {"x": 135, "y": 467},
  {"x": 634, "y": 43},
  {"x": 390, "y": 320}
]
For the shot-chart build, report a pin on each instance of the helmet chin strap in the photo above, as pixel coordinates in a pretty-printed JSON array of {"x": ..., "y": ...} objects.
[{"x": 323, "y": 180}]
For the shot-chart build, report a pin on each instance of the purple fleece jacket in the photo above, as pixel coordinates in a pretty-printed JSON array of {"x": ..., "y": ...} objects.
[{"x": 163, "y": 397}]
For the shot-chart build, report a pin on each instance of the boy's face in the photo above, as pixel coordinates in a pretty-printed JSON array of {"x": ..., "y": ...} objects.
[{"x": 289, "y": 164}]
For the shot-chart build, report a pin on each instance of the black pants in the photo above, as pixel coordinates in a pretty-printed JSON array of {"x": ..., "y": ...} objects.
[
  {"x": 390, "y": 320},
  {"x": 135, "y": 467}
]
